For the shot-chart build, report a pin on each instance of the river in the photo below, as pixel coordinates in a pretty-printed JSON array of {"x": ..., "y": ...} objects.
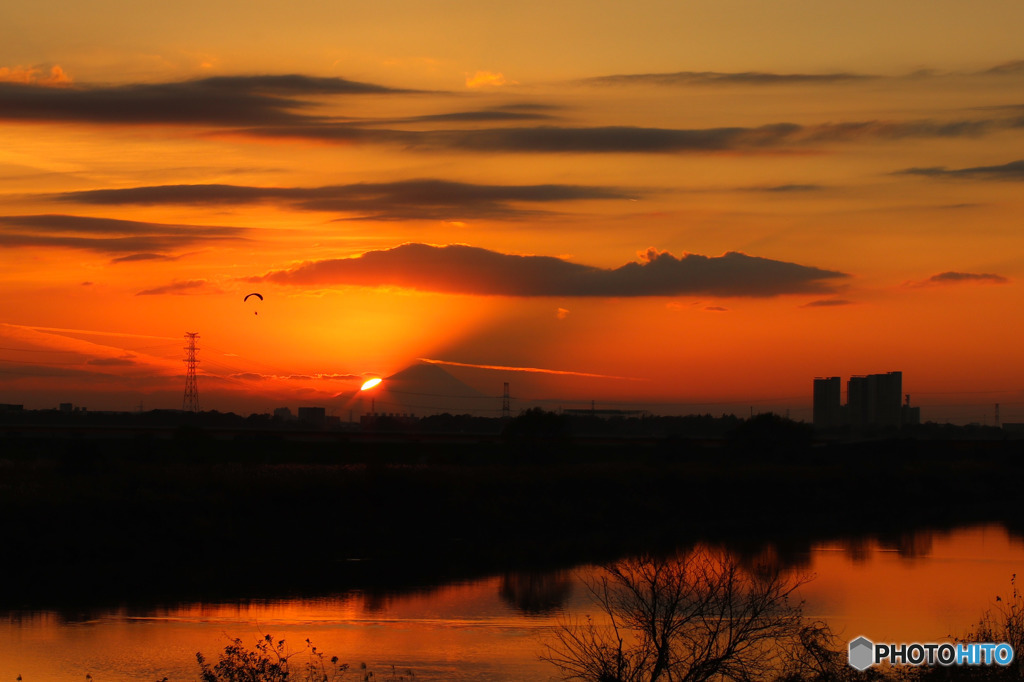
[{"x": 922, "y": 586}]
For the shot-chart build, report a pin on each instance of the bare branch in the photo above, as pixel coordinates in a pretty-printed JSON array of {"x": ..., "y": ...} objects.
[{"x": 692, "y": 617}]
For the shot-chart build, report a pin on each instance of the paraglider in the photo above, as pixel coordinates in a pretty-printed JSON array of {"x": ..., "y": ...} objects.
[{"x": 259, "y": 296}]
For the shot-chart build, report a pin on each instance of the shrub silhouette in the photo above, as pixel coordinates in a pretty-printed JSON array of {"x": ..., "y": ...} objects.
[{"x": 269, "y": 662}]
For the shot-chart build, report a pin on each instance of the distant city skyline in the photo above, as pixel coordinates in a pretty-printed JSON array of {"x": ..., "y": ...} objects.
[{"x": 414, "y": 393}]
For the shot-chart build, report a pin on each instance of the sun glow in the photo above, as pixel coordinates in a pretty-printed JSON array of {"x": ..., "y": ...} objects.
[{"x": 370, "y": 384}]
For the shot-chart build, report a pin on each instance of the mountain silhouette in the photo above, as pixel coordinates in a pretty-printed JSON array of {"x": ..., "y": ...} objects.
[
  {"x": 426, "y": 377},
  {"x": 423, "y": 389}
]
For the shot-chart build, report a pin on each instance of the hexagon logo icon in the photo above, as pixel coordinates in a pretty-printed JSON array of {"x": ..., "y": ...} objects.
[{"x": 862, "y": 653}]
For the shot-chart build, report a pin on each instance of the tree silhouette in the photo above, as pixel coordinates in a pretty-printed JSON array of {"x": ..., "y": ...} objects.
[{"x": 693, "y": 617}]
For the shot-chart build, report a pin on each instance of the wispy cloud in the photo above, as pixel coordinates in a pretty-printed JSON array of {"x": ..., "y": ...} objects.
[
  {"x": 57, "y": 223},
  {"x": 220, "y": 101},
  {"x": 530, "y": 370},
  {"x": 1013, "y": 170},
  {"x": 288, "y": 107},
  {"x": 686, "y": 78},
  {"x": 192, "y": 286},
  {"x": 402, "y": 200},
  {"x": 786, "y": 189},
  {"x": 827, "y": 303},
  {"x": 255, "y": 376},
  {"x": 87, "y": 332},
  {"x": 1007, "y": 68},
  {"x": 123, "y": 361},
  {"x": 632, "y": 139},
  {"x": 480, "y": 116},
  {"x": 471, "y": 270},
  {"x": 142, "y": 240},
  {"x": 765, "y": 78},
  {"x": 114, "y": 245},
  {"x": 959, "y": 277},
  {"x": 953, "y": 278},
  {"x": 138, "y": 257}
]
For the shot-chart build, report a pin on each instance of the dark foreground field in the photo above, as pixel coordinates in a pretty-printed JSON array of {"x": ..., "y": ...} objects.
[{"x": 96, "y": 521}]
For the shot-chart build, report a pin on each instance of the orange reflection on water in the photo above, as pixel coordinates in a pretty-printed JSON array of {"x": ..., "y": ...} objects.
[
  {"x": 929, "y": 587},
  {"x": 918, "y": 587}
]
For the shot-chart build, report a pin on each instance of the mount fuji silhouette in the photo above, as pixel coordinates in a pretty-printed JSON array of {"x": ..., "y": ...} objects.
[{"x": 423, "y": 389}]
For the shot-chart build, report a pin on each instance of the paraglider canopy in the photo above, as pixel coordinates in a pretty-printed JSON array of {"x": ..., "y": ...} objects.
[{"x": 248, "y": 296}]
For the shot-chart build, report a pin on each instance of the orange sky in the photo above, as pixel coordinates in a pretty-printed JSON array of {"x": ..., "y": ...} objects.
[{"x": 513, "y": 187}]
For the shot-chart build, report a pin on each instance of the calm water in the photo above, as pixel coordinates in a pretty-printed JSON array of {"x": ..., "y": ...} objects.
[{"x": 920, "y": 588}]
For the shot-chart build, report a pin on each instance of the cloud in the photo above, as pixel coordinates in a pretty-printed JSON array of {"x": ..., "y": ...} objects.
[
  {"x": 716, "y": 309},
  {"x": 827, "y": 303},
  {"x": 57, "y": 223},
  {"x": 253, "y": 376},
  {"x": 685, "y": 78},
  {"x": 62, "y": 331},
  {"x": 470, "y": 270},
  {"x": 219, "y": 101},
  {"x": 284, "y": 107},
  {"x": 142, "y": 240},
  {"x": 631, "y": 139},
  {"x": 146, "y": 244},
  {"x": 123, "y": 361},
  {"x": 487, "y": 79},
  {"x": 482, "y": 116},
  {"x": 546, "y": 139},
  {"x": 25, "y": 370},
  {"x": 785, "y": 189},
  {"x": 965, "y": 278},
  {"x": 136, "y": 257},
  {"x": 530, "y": 370},
  {"x": 249, "y": 376},
  {"x": 758, "y": 78},
  {"x": 1013, "y": 170},
  {"x": 1007, "y": 68},
  {"x": 192, "y": 286},
  {"x": 31, "y": 74},
  {"x": 421, "y": 199}
]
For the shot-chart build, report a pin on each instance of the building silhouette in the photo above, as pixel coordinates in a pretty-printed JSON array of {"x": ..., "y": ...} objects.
[
  {"x": 313, "y": 415},
  {"x": 827, "y": 402},
  {"x": 872, "y": 401}
]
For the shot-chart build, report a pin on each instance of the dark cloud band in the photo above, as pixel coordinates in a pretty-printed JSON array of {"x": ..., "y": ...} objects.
[
  {"x": 471, "y": 270},
  {"x": 684, "y": 78},
  {"x": 405, "y": 200},
  {"x": 966, "y": 277},
  {"x": 222, "y": 101},
  {"x": 629, "y": 139},
  {"x": 1007, "y": 171},
  {"x": 140, "y": 240}
]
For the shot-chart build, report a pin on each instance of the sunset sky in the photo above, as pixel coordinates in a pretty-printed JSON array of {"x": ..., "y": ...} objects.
[{"x": 681, "y": 206}]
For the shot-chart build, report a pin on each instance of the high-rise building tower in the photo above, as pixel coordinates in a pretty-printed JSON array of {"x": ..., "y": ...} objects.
[
  {"x": 827, "y": 409},
  {"x": 875, "y": 400}
]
